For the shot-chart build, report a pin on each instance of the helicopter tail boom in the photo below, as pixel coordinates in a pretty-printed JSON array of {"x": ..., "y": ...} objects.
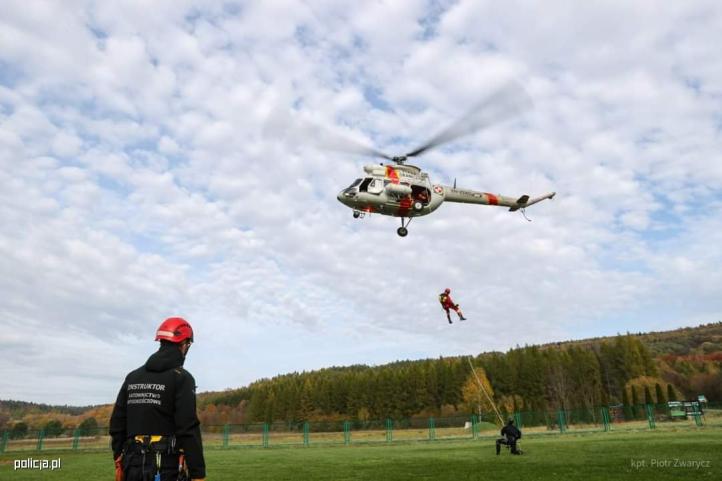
[
  {"x": 523, "y": 202},
  {"x": 465, "y": 196},
  {"x": 452, "y": 194}
]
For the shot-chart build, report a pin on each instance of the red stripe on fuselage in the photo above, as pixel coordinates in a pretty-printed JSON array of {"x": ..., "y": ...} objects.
[
  {"x": 392, "y": 174},
  {"x": 493, "y": 200},
  {"x": 404, "y": 206}
]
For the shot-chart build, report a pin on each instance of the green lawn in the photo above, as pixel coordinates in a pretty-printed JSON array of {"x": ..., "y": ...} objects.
[{"x": 591, "y": 456}]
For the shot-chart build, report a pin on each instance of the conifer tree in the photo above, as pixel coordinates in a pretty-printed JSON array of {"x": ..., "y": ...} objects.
[
  {"x": 671, "y": 394},
  {"x": 635, "y": 400},
  {"x": 648, "y": 396},
  {"x": 660, "y": 394},
  {"x": 627, "y": 406}
]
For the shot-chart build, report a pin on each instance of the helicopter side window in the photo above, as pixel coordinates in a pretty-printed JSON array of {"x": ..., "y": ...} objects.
[
  {"x": 421, "y": 194},
  {"x": 365, "y": 184},
  {"x": 355, "y": 183},
  {"x": 376, "y": 186}
]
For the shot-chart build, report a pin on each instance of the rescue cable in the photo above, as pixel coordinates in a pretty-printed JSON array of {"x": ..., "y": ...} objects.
[{"x": 484, "y": 389}]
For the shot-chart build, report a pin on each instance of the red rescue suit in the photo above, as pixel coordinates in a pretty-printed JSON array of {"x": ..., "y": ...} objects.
[{"x": 447, "y": 303}]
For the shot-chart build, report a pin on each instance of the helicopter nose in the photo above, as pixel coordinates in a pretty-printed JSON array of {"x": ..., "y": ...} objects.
[{"x": 341, "y": 198}]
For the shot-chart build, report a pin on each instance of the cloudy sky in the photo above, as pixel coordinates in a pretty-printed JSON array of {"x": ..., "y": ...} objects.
[{"x": 163, "y": 160}]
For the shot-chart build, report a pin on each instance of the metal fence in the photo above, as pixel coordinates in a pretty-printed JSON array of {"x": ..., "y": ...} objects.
[{"x": 353, "y": 432}]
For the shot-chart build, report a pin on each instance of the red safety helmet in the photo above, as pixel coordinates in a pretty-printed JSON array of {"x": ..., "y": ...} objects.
[
  {"x": 447, "y": 290},
  {"x": 174, "y": 329}
]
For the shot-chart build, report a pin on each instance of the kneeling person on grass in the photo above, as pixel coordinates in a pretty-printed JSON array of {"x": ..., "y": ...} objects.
[{"x": 510, "y": 435}]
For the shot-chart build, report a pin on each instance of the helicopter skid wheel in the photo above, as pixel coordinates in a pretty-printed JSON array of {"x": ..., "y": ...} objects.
[
  {"x": 403, "y": 231},
  {"x": 356, "y": 214}
]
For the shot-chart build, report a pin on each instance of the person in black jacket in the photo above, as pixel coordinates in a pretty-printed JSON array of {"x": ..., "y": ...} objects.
[
  {"x": 510, "y": 435},
  {"x": 154, "y": 426}
]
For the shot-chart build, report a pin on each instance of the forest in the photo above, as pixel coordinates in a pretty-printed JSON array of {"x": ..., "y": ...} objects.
[
  {"x": 623, "y": 370},
  {"x": 627, "y": 370}
]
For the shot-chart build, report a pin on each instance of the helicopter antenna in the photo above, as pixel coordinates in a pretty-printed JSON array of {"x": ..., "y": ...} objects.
[{"x": 523, "y": 212}]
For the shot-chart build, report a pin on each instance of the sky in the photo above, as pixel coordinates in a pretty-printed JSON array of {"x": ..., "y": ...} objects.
[{"x": 164, "y": 160}]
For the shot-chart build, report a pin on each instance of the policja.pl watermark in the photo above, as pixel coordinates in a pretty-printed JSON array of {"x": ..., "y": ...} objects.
[{"x": 39, "y": 464}]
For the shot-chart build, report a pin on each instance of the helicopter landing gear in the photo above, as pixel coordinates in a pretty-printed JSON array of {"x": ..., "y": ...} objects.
[
  {"x": 403, "y": 231},
  {"x": 357, "y": 214}
]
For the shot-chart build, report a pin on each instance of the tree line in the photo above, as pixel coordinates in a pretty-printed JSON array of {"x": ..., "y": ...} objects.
[
  {"x": 624, "y": 370},
  {"x": 530, "y": 378}
]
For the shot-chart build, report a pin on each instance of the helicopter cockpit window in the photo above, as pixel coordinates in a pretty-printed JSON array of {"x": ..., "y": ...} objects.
[
  {"x": 365, "y": 184},
  {"x": 350, "y": 191},
  {"x": 376, "y": 186}
]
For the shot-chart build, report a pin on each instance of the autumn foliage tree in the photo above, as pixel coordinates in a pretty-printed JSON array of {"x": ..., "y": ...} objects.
[{"x": 477, "y": 393}]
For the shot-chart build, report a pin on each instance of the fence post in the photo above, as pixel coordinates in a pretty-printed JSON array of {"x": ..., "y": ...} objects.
[
  {"x": 432, "y": 429},
  {"x": 76, "y": 438},
  {"x": 474, "y": 426},
  {"x": 562, "y": 421},
  {"x": 605, "y": 419},
  {"x": 265, "y": 435},
  {"x": 347, "y": 432},
  {"x": 41, "y": 436},
  {"x": 389, "y": 430},
  {"x": 697, "y": 418},
  {"x": 226, "y": 435},
  {"x": 4, "y": 442},
  {"x": 650, "y": 416},
  {"x": 305, "y": 433},
  {"x": 517, "y": 419}
]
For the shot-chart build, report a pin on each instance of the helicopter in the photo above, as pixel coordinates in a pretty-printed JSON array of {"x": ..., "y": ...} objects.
[{"x": 402, "y": 190}]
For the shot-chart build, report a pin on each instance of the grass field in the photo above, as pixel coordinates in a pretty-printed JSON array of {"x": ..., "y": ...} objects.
[{"x": 645, "y": 455}]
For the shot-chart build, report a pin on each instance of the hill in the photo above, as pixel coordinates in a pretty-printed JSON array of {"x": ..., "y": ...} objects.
[
  {"x": 623, "y": 369},
  {"x": 685, "y": 341},
  {"x": 629, "y": 369}
]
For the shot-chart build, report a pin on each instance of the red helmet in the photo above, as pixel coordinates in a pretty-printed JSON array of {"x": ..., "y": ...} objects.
[
  {"x": 174, "y": 329},
  {"x": 447, "y": 290}
]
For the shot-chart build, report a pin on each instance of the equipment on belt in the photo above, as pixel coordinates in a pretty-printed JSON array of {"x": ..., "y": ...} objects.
[{"x": 155, "y": 445}]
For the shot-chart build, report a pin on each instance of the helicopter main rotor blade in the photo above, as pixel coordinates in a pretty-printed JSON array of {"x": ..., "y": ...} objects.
[
  {"x": 504, "y": 103},
  {"x": 344, "y": 144}
]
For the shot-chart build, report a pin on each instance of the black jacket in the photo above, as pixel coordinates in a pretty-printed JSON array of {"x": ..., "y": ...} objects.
[
  {"x": 160, "y": 398},
  {"x": 511, "y": 432}
]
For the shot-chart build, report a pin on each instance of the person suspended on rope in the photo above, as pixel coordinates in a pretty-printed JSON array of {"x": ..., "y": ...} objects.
[
  {"x": 447, "y": 303},
  {"x": 154, "y": 426},
  {"x": 510, "y": 435}
]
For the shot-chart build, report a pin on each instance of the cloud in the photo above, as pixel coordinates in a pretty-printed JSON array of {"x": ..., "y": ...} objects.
[{"x": 165, "y": 161}]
